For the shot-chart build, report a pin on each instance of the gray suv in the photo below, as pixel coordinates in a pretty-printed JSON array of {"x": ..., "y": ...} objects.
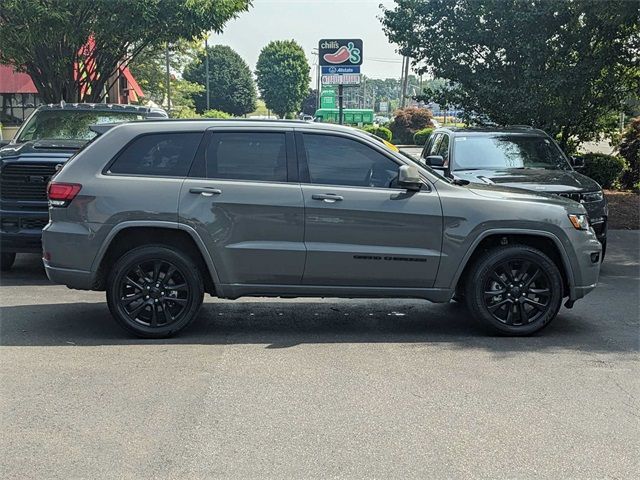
[
  {"x": 519, "y": 157},
  {"x": 159, "y": 212}
]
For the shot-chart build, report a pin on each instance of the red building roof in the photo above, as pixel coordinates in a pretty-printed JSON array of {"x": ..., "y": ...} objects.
[{"x": 14, "y": 82}]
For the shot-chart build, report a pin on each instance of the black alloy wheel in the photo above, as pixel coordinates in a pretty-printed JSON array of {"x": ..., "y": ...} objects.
[
  {"x": 154, "y": 291},
  {"x": 515, "y": 290}
]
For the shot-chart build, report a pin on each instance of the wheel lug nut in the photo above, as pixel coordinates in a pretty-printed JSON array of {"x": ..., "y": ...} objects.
[
  {"x": 147, "y": 297},
  {"x": 156, "y": 300}
]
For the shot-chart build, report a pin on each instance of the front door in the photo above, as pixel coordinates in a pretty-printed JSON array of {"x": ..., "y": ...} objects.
[
  {"x": 240, "y": 201},
  {"x": 361, "y": 229}
]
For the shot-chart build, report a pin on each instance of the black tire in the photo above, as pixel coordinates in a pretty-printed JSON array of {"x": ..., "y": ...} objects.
[
  {"x": 6, "y": 261},
  {"x": 604, "y": 251},
  {"x": 515, "y": 290},
  {"x": 154, "y": 291}
]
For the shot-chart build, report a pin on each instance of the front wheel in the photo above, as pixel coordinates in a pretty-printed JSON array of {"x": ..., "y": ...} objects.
[
  {"x": 515, "y": 290},
  {"x": 6, "y": 261},
  {"x": 154, "y": 291}
]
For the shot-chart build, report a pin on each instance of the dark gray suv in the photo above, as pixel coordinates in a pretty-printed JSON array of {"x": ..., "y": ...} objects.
[
  {"x": 520, "y": 157},
  {"x": 157, "y": 213}
]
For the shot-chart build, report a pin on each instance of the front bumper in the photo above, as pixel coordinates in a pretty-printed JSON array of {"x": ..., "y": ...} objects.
[
  {"x": 586, "y": 265},
  {"x": 21, "y": 230}
]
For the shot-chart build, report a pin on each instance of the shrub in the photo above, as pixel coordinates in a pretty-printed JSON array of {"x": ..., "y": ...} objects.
[
  {"x": 381, "y": 132},
  {"x": 604, "y": 169},
  {"x": 408, "y": 121},
  {"x": 630, "y": 151},
  {"x": 215, "y": 114},
  {"x": 421, "y": 136}
]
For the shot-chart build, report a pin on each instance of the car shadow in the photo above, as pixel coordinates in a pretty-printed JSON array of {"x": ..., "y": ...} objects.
[
  {"x": 285, "y": 324},
  {"x": 605, "y": 321}
]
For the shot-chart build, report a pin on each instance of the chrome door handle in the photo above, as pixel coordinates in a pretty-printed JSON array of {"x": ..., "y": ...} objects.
[
  {"x": 328, "y": 197},
  {"x": 205, "y": 191}
]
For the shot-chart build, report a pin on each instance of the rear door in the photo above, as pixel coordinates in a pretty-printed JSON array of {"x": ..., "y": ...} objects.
[
  {"x": 361, "y": 229},
  {"x": 243, "y": 199}
]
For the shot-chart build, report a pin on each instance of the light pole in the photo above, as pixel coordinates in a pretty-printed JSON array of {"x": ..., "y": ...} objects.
[{"x": 206, "y": 67}]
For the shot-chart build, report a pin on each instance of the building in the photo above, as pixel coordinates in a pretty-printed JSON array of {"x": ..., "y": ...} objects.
[{"x": 19, "y": 96}]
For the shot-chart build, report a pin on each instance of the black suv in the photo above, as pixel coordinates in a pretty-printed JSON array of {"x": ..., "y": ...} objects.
[
  {"x": 521, "y": 157},
  {"x": 46, "y": 140}
]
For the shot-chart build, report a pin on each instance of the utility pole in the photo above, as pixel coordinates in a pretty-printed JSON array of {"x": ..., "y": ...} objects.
[
  {"x": 317, "y": 62},
  {"x": 206, "y": 66},
  {"x": 405, "y": 81},
  {"x": 166, "y": 57},
  {"x": 402, "y": 82}
]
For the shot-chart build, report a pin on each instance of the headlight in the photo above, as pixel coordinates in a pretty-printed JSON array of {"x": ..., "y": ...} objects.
[
  {"x": 579, "y": 222},
  {"x": 592, "y": 197}
]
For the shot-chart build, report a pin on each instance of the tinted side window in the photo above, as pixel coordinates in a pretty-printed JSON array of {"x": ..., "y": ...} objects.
[
  {"x": 435, "y": 144},
  {"x": 336, "y": 160},
  {"x": 247, "y": 156},
  {"x": 160, "y": 154},
  {"x": 443, "y": 149}
]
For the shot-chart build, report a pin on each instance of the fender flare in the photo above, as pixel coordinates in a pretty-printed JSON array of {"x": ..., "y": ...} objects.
[
  {"x": 160, "y": 224},
  {"x": 516, "y": 231}
]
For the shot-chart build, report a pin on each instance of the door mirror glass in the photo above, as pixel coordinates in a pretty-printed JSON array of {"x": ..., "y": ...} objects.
[
  {"x": 577, "y": 162},
  {"x": 409, "y": 177},
  {"x": 435, "y": 160}
]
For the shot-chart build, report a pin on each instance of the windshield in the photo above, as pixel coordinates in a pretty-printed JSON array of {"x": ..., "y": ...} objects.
[
  {"x": 506, "y": 151},
  {"x": 69, "y": 124}
]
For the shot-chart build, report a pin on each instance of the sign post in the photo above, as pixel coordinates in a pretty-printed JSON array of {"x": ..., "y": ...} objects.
[
  {"x": 340, "y": 61},
  {"x": 340, "y": 116}
]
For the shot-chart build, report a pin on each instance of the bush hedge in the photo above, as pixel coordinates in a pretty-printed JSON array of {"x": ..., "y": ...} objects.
[
  {"x": 630, "y": 150},
  {"x": 604, "y": 169},
  {"x": 215, "y": 114},
  {"x": 421, "y": 136},
  {"x": 407, "y": 121},
  {"x": 381, "y": 132}
]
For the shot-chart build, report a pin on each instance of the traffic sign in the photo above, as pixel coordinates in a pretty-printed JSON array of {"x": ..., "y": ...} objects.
[
  {"x": 341, "y": 79},
  {"x": 333, "y": 70}
]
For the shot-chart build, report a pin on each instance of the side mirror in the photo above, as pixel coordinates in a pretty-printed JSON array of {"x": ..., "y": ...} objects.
[
  {"x": 435, "y": 161},
  {"x": 409, "y": 177},
  {"x": 577, "y": 162}
]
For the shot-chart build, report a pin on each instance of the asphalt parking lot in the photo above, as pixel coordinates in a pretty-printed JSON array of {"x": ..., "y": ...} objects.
[{"x": 270, "y": 388}]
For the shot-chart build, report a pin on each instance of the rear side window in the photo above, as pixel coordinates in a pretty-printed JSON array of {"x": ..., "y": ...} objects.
[
  {"x": 158, "y": 154},
  {"x": 258, "y": 156}
]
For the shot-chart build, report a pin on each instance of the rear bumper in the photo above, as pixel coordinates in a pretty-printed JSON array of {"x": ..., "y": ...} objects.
[{"x": 77, "y": 279}]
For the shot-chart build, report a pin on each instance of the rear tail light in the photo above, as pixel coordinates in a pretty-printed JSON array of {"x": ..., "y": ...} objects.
[{"x": 61, "y": 194}]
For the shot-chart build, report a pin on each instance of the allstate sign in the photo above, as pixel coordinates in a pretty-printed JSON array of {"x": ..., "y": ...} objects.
[
  {"x": 340, "y": 70},
  {"x": 340, "y": 52}
]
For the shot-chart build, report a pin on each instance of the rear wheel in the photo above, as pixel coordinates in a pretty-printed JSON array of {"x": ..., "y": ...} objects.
[
  {"x": 6, "y": 261},
  {"x": 154, "y": 291},
  {"x": 515, "y": 290}
]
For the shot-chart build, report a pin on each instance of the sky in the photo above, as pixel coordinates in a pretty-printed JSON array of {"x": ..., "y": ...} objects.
[{"x": 306, "y": 22}]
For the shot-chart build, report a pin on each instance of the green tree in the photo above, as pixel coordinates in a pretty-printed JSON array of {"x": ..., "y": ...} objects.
[
  {"x": 231, "y": 84},
  {"x": 72, "y": 48},
  {"x": 558, "y": 65},
  {"x": 150, "y": 71},
  {"x": 283, "y": 76},
  {"x": 310, "y": 102}
]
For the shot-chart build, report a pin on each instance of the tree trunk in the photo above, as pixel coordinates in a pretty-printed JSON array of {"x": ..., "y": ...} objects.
[{"x": 564, "y": 138}]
